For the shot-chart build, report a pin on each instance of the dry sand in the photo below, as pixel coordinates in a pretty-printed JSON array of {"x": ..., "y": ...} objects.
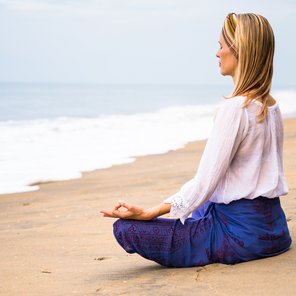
[{"x": 54, "y": 242}]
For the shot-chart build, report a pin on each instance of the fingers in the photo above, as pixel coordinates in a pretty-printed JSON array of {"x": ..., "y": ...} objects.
[
  {"x": 116, "y": 212},
  {"x": 124, "y": 204},
  {"x": 117, "y": 207},
  {"x": 108, "y": 214}
]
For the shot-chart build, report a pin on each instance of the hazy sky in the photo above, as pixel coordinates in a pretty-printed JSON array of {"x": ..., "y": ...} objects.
[{"x": 130, "y": 41}]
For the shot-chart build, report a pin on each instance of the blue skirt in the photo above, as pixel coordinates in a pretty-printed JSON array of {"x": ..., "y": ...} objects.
[{"x": 242, "y": 230}]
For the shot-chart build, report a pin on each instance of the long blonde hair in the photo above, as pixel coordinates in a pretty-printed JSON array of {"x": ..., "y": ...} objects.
[{"x": 254, "y": 39}]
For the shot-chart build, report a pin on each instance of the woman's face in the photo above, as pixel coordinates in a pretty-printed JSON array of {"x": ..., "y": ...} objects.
[{"x": 227, "y": 60}]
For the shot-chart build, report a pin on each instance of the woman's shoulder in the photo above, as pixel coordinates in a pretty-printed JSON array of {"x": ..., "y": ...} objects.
[
  {"x": 232, "y": 107},
  {"x": 236, "y": 101},
  {"x": 270, "y": 101}
]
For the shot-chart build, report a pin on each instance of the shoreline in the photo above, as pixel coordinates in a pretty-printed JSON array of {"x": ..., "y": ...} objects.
[
  {"x": 31, "y": 159},
  {"x": 134, "y": 158},
  {"x": 54, "y": 242}
]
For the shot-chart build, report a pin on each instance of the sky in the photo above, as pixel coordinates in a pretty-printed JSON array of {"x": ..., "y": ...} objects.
[{"x": 130, "y": 41}]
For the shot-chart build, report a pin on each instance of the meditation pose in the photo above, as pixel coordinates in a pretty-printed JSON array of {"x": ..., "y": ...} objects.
[{"x": 230, "y": 211}]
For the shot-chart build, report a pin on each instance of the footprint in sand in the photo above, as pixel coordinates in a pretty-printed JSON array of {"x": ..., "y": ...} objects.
[{"x": 100, "y": 258}]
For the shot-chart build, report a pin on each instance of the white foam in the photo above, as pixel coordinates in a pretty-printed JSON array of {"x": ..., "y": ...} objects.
[
  {"x": 60, "y": 149},
  {"x": 287, "y": 101}
]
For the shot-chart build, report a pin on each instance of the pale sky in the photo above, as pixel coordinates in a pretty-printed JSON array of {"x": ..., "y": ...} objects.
[{"x": 130, "y": 41}]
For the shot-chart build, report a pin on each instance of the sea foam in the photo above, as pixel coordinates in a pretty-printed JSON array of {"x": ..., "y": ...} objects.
[
  {"x": 34, "y": 151},
  {"x": 59, "y": 149}
]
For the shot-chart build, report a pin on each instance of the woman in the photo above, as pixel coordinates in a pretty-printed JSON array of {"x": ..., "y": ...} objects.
[{"x": 234, "y": 196}]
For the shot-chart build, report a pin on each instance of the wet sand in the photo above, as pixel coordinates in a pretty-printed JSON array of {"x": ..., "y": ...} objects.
[{"x": 54, "y": 241}]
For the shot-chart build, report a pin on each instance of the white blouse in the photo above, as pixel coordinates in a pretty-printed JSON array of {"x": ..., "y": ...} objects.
[{"x": 242, "y": 159}]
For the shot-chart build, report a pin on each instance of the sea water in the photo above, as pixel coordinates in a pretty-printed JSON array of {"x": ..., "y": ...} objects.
[{"x": 52, "y": 132}]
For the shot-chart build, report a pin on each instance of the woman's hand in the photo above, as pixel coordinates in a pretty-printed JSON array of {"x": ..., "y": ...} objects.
[
  {"x": 124, "y": 210},
  {"x": 128, "y": 211}
]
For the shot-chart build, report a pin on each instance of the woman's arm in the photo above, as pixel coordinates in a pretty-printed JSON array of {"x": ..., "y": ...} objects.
[
  {"x": 124, "y": 210},
  {"x": 228, "y": 131},
  {"x": 230, "y": 128}
]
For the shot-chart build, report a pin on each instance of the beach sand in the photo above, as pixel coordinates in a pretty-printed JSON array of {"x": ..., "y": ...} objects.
[{"x": 54, "y": 242}]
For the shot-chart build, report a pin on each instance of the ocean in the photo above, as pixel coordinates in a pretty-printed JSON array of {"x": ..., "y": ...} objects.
[{"x": 51, "y": 132}]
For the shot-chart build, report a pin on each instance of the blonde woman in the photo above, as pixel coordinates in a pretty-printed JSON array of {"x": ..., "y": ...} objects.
[{"x": 233, "y": 199}]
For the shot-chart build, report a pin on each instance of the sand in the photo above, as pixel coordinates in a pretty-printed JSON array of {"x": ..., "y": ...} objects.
[{"x": 54, "y": 242}]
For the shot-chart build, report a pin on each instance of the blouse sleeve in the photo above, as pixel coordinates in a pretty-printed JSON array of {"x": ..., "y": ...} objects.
[{"x": 227, "y": 133}]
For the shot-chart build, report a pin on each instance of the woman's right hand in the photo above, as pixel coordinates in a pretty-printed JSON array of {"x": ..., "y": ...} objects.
[
  {"x": 136, "y": 212},
  {"x": 124, "y": 210}
]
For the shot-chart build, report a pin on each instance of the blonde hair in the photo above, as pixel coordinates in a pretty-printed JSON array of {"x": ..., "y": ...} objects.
[{"x": 254, "y": 40}]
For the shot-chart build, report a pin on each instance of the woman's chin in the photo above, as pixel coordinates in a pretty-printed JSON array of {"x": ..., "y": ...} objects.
[{"x": 224, "y": 73}]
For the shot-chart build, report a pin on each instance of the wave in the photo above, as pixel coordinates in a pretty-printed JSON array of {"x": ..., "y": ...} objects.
[
  {"x": 287, "y": 101},
  {"x": 35, "y": 151}
]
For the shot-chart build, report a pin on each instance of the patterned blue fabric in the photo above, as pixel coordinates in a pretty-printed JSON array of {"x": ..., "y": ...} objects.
[{"x": 242, "y": 230}]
